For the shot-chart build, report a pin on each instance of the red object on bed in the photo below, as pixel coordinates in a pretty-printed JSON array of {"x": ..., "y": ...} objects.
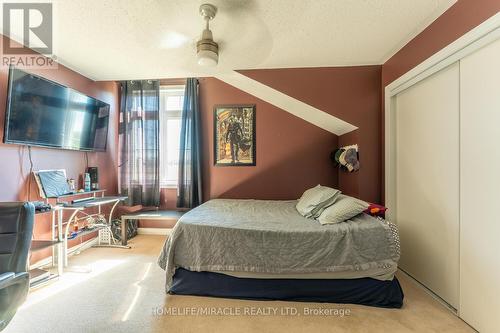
[{"x": 376, "y": 210}]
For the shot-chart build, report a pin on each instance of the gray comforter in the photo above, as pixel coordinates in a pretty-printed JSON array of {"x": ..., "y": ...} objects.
[{"x": 272, "y": 237}]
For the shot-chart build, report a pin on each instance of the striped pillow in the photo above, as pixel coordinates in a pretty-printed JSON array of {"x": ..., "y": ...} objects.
[
  {"x": 343, "y": 209},
  {"x": 315, "y": 200}
]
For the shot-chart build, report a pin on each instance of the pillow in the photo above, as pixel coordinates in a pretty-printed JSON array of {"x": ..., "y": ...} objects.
[
  {"x": 315, "y": 200},
  {"x": 316, "y": 212},
  {"x": 343, "y": 209}
]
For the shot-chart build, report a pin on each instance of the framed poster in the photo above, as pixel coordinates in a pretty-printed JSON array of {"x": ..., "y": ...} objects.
[{"x": 234, "y": 135}]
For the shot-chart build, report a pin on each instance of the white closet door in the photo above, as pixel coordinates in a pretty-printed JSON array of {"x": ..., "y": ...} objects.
[
  {"x": 480, "y": 189},
  {"x": 427, "y": 178}
]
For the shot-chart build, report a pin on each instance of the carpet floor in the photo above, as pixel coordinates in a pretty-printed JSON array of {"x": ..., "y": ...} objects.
[{"x": 116, "y": 290}]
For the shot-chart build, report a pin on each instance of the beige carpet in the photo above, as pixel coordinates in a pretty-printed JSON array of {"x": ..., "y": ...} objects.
[{"x": 124, "y": 292}]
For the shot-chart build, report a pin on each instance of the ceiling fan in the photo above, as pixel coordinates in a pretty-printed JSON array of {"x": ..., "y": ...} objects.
[
  {"x": 238, "y": 28},
  {"x": 207, "y": 50}
]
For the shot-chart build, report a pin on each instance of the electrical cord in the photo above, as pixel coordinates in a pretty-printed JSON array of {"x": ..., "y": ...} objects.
[
  {"x": 100, "y": 221},
  {"x": 30, "y": 175}
]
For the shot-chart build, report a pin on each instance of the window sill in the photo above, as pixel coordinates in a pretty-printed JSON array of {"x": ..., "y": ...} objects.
[{"x": 167, "y": 186}]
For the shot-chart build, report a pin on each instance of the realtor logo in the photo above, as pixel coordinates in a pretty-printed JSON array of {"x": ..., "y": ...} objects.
[{"x": 29, "y": 22}]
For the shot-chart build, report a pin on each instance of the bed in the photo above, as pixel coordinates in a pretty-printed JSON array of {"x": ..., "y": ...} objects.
[{"x": 260, "y": 249}]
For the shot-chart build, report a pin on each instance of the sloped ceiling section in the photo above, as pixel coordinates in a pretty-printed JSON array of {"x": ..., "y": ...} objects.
[{"x": 287, "y": 103}]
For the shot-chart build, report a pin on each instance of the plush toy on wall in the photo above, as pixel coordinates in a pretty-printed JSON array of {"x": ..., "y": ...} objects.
[{"x": 347, "y": 158}]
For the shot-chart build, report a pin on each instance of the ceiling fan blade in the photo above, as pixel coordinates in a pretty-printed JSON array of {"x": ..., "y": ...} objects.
[
  {"x": 242, "y": 31},
  {"x": 173, "y": 40},
  {"x": 233, "y": 6}
]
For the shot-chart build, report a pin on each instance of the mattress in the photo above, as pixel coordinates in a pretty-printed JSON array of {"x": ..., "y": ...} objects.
[
  {"x": 272, "y": 238},
  {"x": 382, "y": 274}
]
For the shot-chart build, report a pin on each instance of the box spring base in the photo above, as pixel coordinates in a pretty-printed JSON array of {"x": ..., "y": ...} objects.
[{"x": 364, "y": 291}]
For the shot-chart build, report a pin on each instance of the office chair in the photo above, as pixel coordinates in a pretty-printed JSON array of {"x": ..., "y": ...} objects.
[{"x": 16, "y": 230}]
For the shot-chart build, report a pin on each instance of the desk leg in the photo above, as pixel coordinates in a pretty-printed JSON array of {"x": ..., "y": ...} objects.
[
  {"x": 112, "y": 211},
  {"x": 66, "y": 236},
  {"x": 124, "y": 231},
  {"x": 60, "y": 249},
  {"x": 60, "y": 261}
]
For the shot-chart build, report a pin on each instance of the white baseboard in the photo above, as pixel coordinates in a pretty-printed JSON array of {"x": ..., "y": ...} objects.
[
  {"x": 154, "y": 231},
  {"x": 77, "y": 248}
]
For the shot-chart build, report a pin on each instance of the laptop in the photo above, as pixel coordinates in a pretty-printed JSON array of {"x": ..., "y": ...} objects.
[{"x": 52, "y": 183}]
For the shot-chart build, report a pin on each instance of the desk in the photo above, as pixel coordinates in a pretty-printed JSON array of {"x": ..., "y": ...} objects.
[
  {"x": 80, "y": 206},
  {"x": 96, "y": 202}
]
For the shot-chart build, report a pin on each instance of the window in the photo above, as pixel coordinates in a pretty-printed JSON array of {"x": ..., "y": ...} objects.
[{"x": 171, "y": 101}]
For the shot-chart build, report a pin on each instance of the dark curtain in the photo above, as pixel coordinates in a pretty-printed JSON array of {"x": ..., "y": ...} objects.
[
  {"x": 139, "y": 142},
  {"x": 189, "y": 193}
]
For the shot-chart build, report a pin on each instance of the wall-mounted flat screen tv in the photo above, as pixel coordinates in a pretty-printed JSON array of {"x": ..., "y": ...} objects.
[{"x": 44, "y": 113}]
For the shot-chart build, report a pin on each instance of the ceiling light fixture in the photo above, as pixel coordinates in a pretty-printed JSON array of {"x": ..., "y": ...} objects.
[{"x": 207, "y": 50}]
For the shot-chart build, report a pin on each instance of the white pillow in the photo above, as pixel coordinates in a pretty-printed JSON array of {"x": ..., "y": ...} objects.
[
  {"x": 315, "y": 200},
  {"x": 343, "y": 209}
]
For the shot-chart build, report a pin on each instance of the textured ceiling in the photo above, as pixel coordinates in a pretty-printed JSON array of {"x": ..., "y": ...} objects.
[{"x": 133, "y": 39}]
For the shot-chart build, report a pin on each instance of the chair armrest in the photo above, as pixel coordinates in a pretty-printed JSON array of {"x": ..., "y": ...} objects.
[
  {"x": 6, "y": 276},
  {"x": 13, "y": 291},
  {"x": 10, "y": 278}
]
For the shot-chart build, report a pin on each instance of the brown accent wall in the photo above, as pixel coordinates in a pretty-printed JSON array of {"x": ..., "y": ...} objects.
[
  {"x": 349, "y": 93},
  {"x": 459, "y": 19},
  {"x": 292, "y": 154},
  {"x": 14, "y": 170}
]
